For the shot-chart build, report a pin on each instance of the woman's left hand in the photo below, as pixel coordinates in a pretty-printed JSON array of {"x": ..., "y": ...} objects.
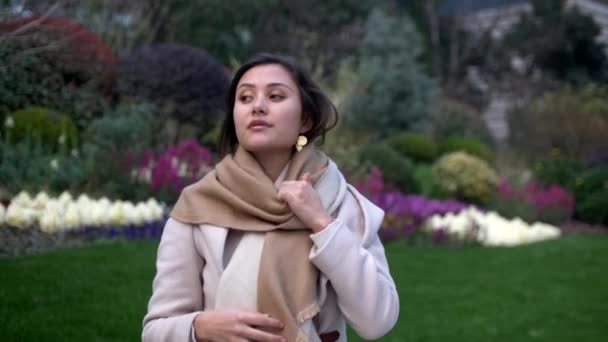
[{"x": 305, "y": 203}]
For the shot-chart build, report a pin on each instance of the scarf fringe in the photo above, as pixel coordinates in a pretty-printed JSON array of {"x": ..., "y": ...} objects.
[{"x": 308, "y": 313}]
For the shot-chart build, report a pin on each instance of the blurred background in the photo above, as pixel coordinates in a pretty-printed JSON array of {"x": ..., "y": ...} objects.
[{"x": 479, "y": 126}]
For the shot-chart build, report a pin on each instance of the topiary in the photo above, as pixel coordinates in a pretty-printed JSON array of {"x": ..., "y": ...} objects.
[
  {"x": 417, "y": 147},
  {"x": 469, "y": 145},
  {"x": 51, "y": 128},
  {"x": 186, "y": 83},
  {"x": 558, "y": 170},
  {"x": 397, "y": 170},
  {"x": 591, "y": 193},
  {"x": 466, "y": 177}
]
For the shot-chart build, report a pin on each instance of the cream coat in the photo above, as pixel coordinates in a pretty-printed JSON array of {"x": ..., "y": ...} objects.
[{"x": 355, "y": 284}]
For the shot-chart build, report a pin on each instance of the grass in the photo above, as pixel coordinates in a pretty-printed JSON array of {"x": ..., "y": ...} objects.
[{"x": 550, "y": 291}]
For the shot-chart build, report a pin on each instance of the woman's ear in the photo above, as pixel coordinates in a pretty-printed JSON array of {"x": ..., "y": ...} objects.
[{"x": 306, "y": 124}]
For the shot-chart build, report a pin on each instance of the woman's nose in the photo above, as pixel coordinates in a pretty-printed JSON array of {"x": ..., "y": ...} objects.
[{"x": 259, "y": 106}]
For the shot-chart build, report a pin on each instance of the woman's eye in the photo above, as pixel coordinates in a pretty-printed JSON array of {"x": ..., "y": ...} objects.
[
  {"x": 276, "y": 97},
  {"x": 245, "y": 98}
]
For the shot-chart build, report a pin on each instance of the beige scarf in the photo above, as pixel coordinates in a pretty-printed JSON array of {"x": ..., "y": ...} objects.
[{"x": 237, "y": 194}]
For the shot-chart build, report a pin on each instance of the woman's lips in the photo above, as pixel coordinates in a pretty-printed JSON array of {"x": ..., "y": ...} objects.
[{"x": 258, "y": 125}]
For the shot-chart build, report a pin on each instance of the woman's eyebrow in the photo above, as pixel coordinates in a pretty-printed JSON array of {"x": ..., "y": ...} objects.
[{"x": 274, "y": 84}]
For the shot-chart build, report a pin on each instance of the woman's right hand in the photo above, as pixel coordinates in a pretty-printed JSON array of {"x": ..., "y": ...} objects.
[{"x": 236, "y": 326}]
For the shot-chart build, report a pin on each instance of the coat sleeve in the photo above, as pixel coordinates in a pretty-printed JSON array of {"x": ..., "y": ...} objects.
[
  {"x": 350, "y": 254},
  {"x": 177, "y": 293}
]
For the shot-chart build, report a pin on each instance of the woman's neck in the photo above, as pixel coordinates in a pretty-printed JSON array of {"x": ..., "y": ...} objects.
[{"x": 273, "y": 162}]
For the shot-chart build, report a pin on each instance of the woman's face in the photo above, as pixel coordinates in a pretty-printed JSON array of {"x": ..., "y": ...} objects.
[{"x": 268, "y": 110}]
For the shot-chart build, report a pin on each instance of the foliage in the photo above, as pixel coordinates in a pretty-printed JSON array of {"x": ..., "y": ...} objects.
[
  {"x": 168, "y": 172},
  {"x": 404, "y": 213},
  {"x": 37, "y": 123},
  {"x": 318, "y": 37},
  {"x": 573, "y": 121},
  {"x": 592, "y": 196},
  {"x": 344, "y": 146},
  {"x": 184, "y": 82},
  {"x": 418, "y": 147},
  {"x": 108, "y": 147},
  {"x": 423, "y": 175},
  {"x": 394, "y": 93},
  {"x": 396, "y": 169},
  {"x": 85, "y": 57},
  {"x": 532, "y": 202},
  {"x": 561, "y": 41},
  {"x": 39, "y": 78},
  {"x": 31, "y": 166},
  {"x": 469, "y": 145},
  {"x": 456, "y": 119},
  {"x": 465, "y": 176},
  {"x": 558, "y": 170}
]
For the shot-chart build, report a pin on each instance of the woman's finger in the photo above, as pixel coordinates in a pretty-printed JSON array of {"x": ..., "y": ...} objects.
[
  {"x": 254, "y": 334},
  {"x": 261, "y": 320},
  {"x": 305, "y": 177}
]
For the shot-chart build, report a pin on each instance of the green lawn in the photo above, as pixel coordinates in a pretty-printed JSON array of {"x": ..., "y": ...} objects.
[{"x": 551, "y": 291}]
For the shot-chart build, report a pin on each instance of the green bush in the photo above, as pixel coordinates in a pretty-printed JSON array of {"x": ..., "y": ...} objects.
[
  {"x": 591, "y": 193},
  {"x": 418, "y": 147},
  {"x": 512, "y": 207},
  {"x": 469, "y": 145},
  {"x": 466, "y": 177},
  {"x": 396, "y": 169},
  {"x": 456, "y": 119},
  {"x": 425, "y": 183},
  {"x": 33, "y": 167},
  {"x": 571, "y": 120},
  {"x": 51, "y": 128},
  {"x": 393, "y": 92},
  {"x": 558, "y": 170}
]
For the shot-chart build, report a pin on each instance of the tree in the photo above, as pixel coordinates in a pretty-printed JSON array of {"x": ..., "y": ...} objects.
[
  {"x": 394, "y": 92},
  {"x": 561, "y": 41}
]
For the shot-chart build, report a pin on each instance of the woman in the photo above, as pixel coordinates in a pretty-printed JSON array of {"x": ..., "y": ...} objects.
[{"x": 273, "y": 244}]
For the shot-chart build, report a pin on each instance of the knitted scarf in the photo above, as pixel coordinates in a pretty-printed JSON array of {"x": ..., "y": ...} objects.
[{"x": 237, "y": 194}]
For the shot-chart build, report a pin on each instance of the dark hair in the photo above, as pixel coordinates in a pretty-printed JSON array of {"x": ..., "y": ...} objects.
[{"x": 316, "y": 106}]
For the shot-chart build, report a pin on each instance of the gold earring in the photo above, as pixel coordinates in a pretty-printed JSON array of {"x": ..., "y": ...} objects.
[{"x": 302, "y": 141}]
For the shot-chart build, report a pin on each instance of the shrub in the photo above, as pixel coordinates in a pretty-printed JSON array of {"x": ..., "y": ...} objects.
[
  {"x": 185, "y": 83},
  {"x": 51, "y": 128},
  {"x": 592, "y": 196},
  {"x": 417, "y": 147},
  {"x": 455, "y": 119},
  {"x": 558, "y": 170},
  {"x": 466, "y": 177},
  {"x": 573, "y": 121},
  {"x": 83, "y": 55},
  {"x": 393, "y": 93},
  {"x": 469, "y": 145},
  {"x": 30, "y": 166},
  {"x": 397, "y": 170}
]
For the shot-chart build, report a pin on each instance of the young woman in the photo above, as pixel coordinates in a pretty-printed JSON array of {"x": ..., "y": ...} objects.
[{"x": 273, "y": 244}]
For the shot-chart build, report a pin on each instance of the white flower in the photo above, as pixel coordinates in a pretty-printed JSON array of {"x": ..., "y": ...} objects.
[
  {"x": 50, "y": 221},
  {"x": 20, "y": 217},
  {"x": 9, "y": 122},
  {"x": 116, "y": 215},
  {"x": 156, "y": 210},
  {"x": 65, "y": 198},
  {"x": 71, "y": 217},
  {"x": 41, "y": 200},
  {"x": 62, "y": 139},
  {"x": 54, "y": 164},
  {"x": 74, "y": 153},
  {"x": 129, "y": 213},
  {"x": 23, "y": 199},
  {"x": 492, "y": 229},
  {"x": 98, "y": 214}
]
